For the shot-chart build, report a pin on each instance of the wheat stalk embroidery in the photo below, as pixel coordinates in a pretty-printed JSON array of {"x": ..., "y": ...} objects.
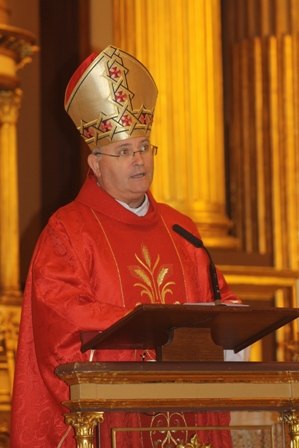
[{"x": 152, "y": 277}]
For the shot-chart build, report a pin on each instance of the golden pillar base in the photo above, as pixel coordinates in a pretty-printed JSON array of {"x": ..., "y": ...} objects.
[
  {"x": 291, "y": 418},
  {"x": 84, "y": 425}
]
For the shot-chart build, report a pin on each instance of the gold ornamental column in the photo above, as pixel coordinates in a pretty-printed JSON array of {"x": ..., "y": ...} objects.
[
  {"x": 9, "y": 242},
  {"x": 16, "y": 48},
  {"x": 181, "y": 45}
]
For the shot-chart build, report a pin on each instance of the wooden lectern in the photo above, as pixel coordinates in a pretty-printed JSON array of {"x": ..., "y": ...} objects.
[{"x": 189, "y": 341}]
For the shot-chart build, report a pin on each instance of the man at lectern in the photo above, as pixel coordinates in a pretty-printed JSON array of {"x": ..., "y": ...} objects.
[{"x": 110, "y": 249}]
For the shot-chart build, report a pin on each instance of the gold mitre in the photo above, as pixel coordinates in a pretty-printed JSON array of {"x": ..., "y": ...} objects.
[{"x": 111, "y": 97}]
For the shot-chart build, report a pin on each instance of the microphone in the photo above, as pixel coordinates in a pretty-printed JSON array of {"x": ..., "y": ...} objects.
[{"x": 188, "y": 236}]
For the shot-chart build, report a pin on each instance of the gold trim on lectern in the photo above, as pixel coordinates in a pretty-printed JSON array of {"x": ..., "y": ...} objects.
[{"x": 194, "y": 443}]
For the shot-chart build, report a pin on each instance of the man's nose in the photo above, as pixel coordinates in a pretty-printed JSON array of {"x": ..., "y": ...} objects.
[{"x": 137, "y": 157}]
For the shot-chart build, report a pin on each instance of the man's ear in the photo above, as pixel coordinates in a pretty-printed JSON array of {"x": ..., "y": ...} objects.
[{"x": 93, "y": 163}]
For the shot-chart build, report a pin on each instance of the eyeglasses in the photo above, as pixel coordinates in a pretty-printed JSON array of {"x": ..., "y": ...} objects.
[{"x": 127, "y": 153}]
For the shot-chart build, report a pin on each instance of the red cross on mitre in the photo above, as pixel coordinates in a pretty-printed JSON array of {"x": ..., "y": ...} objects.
[
  {"x": 87, "y": 132},
  {"x": 142, "y": 118},
  {"x": 105, "y": 126},
  {"x": 126, "y": 120},
  {"x": 114, "y": 72},
  {"x": 145, "y": 118},
  {"x": 120, "y": 96}
]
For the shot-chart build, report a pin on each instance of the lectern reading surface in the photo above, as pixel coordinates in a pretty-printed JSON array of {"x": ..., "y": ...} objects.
[{"x": 150, "y": 326}]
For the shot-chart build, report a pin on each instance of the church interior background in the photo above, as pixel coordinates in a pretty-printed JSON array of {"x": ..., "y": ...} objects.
[{"x": 226, "y": 126}]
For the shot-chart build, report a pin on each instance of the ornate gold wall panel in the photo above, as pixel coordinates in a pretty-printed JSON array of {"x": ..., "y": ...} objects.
[
  {"x": 181, "y": 45},
  {"x": 9, "y": 330},
  {"x": 267, "y": 435}
]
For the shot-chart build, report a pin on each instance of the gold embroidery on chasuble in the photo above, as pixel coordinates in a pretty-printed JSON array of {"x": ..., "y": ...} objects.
[
  {"x": 112, "y": 254},
  {"x": 153, "y": 276}
]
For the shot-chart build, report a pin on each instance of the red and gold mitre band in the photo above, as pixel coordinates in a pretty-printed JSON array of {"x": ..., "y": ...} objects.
[{"x": 111, "y": 97}]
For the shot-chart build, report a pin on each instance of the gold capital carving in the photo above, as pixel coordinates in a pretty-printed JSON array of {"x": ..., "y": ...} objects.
[
  {"x": 84, "y": 424},
  {"x": 19, "y": 42},
  {"x": 194, "y": 443},
  {"x": 291, "y": 418}
]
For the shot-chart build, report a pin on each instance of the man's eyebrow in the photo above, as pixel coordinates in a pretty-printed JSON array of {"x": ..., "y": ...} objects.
[
  {"x": 127, "y": 144},
  {"x": 123, "y": 145}
]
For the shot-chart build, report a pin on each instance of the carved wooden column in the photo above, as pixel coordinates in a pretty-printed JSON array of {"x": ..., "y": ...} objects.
[{"x": 181, "y": 46}]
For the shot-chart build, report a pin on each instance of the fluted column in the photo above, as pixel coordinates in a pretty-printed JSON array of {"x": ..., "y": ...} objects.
[
  {"x": 181, "y": 45},
  {"x": 9, "y": 230},
  {"x": 262, "y": 66}
]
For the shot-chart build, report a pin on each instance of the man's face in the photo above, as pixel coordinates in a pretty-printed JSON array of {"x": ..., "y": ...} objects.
[{"x": 126, "y": 178}]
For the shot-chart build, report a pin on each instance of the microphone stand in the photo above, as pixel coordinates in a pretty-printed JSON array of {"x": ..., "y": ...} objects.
[{"x": 188, "y": 236}]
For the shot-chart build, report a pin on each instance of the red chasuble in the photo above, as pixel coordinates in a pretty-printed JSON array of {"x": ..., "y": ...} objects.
[{"x": 94, "y": 262}]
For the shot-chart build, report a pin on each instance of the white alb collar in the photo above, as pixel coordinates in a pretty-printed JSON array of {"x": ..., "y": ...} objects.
[{"x": 139, "y": 211}]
